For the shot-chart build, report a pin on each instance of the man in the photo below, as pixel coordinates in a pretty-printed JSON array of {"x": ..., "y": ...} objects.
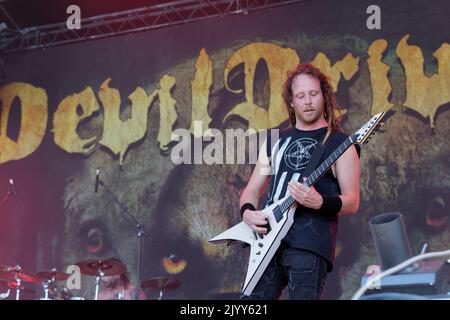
[
  {"x": 307, "y": 252},
  {"x": 119, "y": 288}
]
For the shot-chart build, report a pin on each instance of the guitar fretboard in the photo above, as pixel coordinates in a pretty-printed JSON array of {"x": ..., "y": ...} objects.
[{"x": 313, "y": 177}]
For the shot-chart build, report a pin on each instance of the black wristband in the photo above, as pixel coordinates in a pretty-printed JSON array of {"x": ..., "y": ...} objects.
[
  {"x": 246, "y": 206},
  {"x": 331, "y": 206}
]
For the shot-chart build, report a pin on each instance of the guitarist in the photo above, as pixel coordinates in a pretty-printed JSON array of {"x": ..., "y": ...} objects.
[{"x": 306, "y": 254}]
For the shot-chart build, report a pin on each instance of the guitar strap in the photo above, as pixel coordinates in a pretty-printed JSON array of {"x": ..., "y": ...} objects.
[{"x": 314, "y": 161}]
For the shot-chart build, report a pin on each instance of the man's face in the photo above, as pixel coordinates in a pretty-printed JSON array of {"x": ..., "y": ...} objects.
[
  {"x": 111, "y": 281},
  {"x": 307, "y": 99}
]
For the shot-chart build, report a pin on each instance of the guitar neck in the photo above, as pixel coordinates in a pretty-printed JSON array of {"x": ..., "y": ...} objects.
[{"x": 313, "y": 177}]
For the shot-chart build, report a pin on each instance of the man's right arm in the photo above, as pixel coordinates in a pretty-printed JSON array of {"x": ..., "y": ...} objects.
[{"x": 252, "y": 192}]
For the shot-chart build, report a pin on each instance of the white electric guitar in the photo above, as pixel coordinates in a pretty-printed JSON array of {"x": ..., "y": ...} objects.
[{"x": 280, "y": 215}]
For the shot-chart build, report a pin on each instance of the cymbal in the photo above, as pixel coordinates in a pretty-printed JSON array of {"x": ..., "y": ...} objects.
[
  {"x": 53, "y": 275},
  {"x": 14, "y": 273},
  {"x": 13, "y": 286},
  {"x": 161, "y": 283},
  {"x": 109, "y": 267}
]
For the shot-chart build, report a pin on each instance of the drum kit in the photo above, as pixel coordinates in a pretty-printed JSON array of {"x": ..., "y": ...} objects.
[
  {"x": 14, "y": 279},
  {"x": 161, "y": 284}
]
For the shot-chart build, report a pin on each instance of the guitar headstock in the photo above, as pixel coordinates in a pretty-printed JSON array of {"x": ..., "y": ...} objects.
[{"x": 363, "y": 134}]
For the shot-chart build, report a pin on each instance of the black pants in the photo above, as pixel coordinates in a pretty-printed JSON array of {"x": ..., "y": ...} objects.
[{"x": 303, "y": 271}]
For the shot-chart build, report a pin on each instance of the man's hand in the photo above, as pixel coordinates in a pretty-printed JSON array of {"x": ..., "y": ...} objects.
[
  {"x": 306, "y": 196},
  {"x": 255, "y": 219}
]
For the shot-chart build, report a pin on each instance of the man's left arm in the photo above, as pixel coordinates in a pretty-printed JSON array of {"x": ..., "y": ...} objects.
[{"x": 347, "y": 173}]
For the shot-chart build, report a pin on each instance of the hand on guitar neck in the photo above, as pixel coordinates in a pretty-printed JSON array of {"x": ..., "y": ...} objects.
[{"x": 306, "y": 196}]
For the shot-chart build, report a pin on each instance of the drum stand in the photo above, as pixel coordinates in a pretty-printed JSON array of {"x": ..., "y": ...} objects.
[
  {"x": 18, "y": 281},
  {"x": 97, "y": 283},
  {"x": 140, "y": 233},
  {"x": 45, "y": 285},
  {"x": 160, "y": 294}
]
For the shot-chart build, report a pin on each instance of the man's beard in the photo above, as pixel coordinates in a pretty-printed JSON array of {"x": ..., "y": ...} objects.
[
  {"x": 112, "y": 284},
  {"x": 311, "y": 118}
]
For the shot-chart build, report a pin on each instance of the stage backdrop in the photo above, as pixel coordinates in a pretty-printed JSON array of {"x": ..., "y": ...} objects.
[{"x": 120, "y": 104}]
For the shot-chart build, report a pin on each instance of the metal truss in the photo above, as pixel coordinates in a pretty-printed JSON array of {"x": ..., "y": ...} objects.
[{"x": 130, "y": 21}]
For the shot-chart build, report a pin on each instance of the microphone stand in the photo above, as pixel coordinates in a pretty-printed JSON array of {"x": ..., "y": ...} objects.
[
  {"x": 140, "y": 232},
  {"x": 11, "y": 191},
  {"x": 6, "y": 198}
]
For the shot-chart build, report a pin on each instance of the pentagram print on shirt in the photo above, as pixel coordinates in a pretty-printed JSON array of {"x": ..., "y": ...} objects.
[{"x": 299, "y": 153}]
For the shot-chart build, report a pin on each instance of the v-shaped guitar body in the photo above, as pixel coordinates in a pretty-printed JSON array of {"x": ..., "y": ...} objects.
[{"x": 262, "y": 247}]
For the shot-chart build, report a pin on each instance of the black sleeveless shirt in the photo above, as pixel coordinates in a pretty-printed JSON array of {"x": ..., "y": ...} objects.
[{"x": 289, "y": 157}]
